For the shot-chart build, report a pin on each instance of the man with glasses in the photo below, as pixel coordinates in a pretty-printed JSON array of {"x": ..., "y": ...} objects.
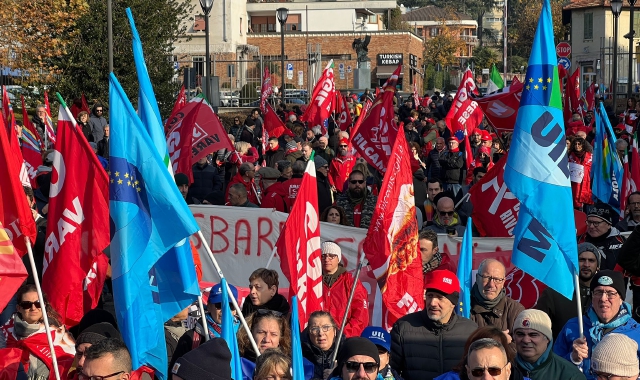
[
  {"x": 358, "y": 360},
  {"x": 608, "y": 314},
  {"x": 490, "y": 305},
  {"x": 39, "y": 120},
  {"x": 601, "y": 233},
  {"x": 614, "y": 358},
  {"x": 358, "y": 203},
  {"x": 90, "y": 336},
  {"x": 633, "y": 218},
  {"x": 446, "y": 220},
  {"x": 97, "y": 122},
  {"x": 487, "y": 357},
  {"x": 340, "y": 167},
  {"x": 108, "y": 359}
]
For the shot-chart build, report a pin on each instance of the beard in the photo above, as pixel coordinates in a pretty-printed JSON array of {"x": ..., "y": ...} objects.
[{"x": 356, "y": 193}]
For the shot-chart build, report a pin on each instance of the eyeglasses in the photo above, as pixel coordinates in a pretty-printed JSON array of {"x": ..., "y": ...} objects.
[
  {"x": 600, "y": 293},
  {"x": 27, "y": 304},
  {"x": 594, "y": 223},
  {"x": 98, "y": 110},
  {"x": 599, "y": 375},
  {"x": 316, "y": 330},
  {"x": 497, "y": 280},
  {"x": 358, "y": 181},
  {"x": 329, "y": 255},
  {"x": 276, "y": 314},
  {"x": 493, "y": 371},
  {"x": 324, "y": 167},
  {"x": 82, "y": 376},
  {"x": 446, "y": 213},
  {"x": 369, "y": 367},
  {"x": 634, "y": 204}
]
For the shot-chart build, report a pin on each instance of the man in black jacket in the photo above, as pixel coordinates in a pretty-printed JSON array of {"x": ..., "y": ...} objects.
[
  {"x": 430, "y": 342},
  {"x": 206, "y": 179},
  {"x": 324, "y": 187},
  {"x": 452, "y": 163}
]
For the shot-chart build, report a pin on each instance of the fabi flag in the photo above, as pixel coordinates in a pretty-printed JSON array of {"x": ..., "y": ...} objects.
[
  {"x": 322, "y": 100},
  {"x": 465, "y": 267},
  {"x": 299, "y": 246},
  {"x": 75, "y": 266},
  {"x": 391, "y": 245},
  {"x": 607, "y": 168},
  {"x": 537, "y": 171}
]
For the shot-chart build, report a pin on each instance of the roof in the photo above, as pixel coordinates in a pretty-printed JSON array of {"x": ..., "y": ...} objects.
[
  {"x": 433, "y": 13},
  {"x": 577, "y": 4}
]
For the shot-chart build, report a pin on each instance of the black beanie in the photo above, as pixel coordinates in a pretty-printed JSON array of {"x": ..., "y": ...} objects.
[
  {"x": 95, "y": 333},
  {"x": 609, "y": 278},
  {"x": 357, "y": 346},
  {"x": 181, "y": 179},
  {"x": 211, "y": 360},
  {"x": 91, "y": 318}
]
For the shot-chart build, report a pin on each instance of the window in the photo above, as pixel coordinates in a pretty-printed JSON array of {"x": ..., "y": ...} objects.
[
  {"x": 263, "y": 24},
  {"x": 198, "y": 64},
  {"x": 294, "y": 23},
  {"x": 434, "y": 32},
  {"x": 419, "y": 31},
  {"x": 588, "y": 26},
  {"x": 373, "y": 19},
  {"x": 636, "y": 22}
]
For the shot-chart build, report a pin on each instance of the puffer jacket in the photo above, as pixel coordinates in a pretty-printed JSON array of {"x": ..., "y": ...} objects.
[
  {"x": 423, "y": 349},
  {"x": 206, "y": 179},
  {"x": 434, "y": 168},
  {"x": 452, "y": 164},
  {"x": 554, "y": 367},
  {"x": 368, "y": 207},
  {"x": 501, "y": 316},
  {"x": 321, "y": 359},
  {"x": 610, "y": 244},
  {"x": 335, "y": 302},
  {"x": 582, "y": 190}
]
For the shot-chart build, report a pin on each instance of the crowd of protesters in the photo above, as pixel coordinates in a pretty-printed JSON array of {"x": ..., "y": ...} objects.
[{"x": 501, "y": 339}]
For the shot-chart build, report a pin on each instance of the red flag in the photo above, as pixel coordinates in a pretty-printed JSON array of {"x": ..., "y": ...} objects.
[
  {"x": 501, "y": 108},
  {"x": 12, "y": 270},
  {"x": 375, "y": 136},
  {"x": 322, "y": 100},
  {"x": 51, "y": 134},
  {"x": 77, "y": 229},
  {"x": 209, "y": 135},
  {"x": 342, "y": 112},
  {"x": 181, "y": 101},
  {"x": 5, "y": 107},
  {"x": 10, "y": 359},
  {"x": 179, "y": 142},
  {"x": 566, "y": 104},
  {"x": 266, "y": 89},
  {"x": 416, "y": 98},
  {"x": 272, "y": 123},
  {"x": 626, "y": 185},
  {"x": 391, "y": 245},
  {"x": 299, "y": 247},
  {"x": 17, "y": 216},
  {"x": 84, "y": 106},
  {"x": 363, "y": 112},
  {"x": 590, "y": 96},
  {"x": 573, "y": 90},
  {"x": 464, "y": 115},
  {"x": 635, "y": 165},
  {"x": 32, "y": 146}
]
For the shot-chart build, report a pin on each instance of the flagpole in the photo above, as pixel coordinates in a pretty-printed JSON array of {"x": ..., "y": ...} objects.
[
  {"x": 346, "y": 310},
  {"x": 204, "y": 318},
  {"x": 44, "y": 308},
  {"x": 579, "y": 303},
  {"x": 273, "y": 253},
  {"x": 233, "y": 299}
]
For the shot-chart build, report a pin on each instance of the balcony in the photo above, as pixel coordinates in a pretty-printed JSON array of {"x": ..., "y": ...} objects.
[{"x": 471, "y": 40}]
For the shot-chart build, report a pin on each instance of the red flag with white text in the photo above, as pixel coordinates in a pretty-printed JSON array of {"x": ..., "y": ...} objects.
[
  {"x": 299, "y": 247},
  {"x": 322, "y": 101},
  {"x": 573, "y": 90},
  {"x": 391, "y": 244},
  {"x": 590, "y": 96},
  {"x": 181, "y": 101},
  {"x": 12, "y": 270},
  {"x": 51, "y": 133},
  {"x": 501, "y": 108},
  {"x": 266, "y": 90},
  {"x": 375, "y": 136},
  {"x": 74, "y": 267},
  {"x": 342, "y": 112},
  {"x": 32, "y": 146},
  {"x": 179, "y": 143},
  {"x": 464, "y": 114}
]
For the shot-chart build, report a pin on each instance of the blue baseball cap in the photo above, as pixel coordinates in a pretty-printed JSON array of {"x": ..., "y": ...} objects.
[
  {"x": 379, "y": 336},
  {"x": 215, "y": 295}
]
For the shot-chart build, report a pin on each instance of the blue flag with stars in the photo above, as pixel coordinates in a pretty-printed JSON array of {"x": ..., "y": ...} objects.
[
  {"x": 148, "y": 217},
  {"x": 465, "y": 267},
  {"x": 537, "y": 171},
  {"x": 607, "y": 169}
]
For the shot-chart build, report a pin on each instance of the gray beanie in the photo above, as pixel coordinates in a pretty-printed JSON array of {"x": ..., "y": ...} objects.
[
  {"x": 616, "y": 354},
  {"x": 588, "y": 247}
]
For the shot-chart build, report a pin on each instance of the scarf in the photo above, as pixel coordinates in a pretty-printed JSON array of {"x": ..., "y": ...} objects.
[
  {"x": 454, "y": 150},
  {"x": 598, "y": 328},
  {"x": 355, "y": 201},
  {"x": 273, "y": 149},
  {"x": 529, "y": 367},
  {"x": 435, "y": 262},
  {"x": 22, "y": 329},
  {"x": 330, "y": 279},
  {"x": 213, "y": 326},
  {"x": 479, "y": 297}
]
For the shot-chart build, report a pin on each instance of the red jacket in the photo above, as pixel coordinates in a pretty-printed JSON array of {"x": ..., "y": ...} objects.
[
  {"x": 238, "y": 159},
  {"x": 273, "y": 198},
  {"x": 251, "y": 194},
  {"x": 335, "y": 301},
  {"x": 581, "y": 190},
  {"x": 475, "y": 164},
  {"x": 289, "y": 191},
  {"x": 339, "y": 171}
]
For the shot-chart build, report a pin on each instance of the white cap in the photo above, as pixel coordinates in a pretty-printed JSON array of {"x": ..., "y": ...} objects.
[{"x": 331, "y": 248}]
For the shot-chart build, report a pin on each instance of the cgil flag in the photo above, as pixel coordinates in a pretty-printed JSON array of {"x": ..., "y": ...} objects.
[
  {"x": 181, "y": 101},
  {"x": 537, "y": 171},
  {"x": 465, "y": 268},
  {"x": 495, "y": 81},
  {"x": 148, "y": 217},
  {"x": 322, "y": 101},
  {"x": 607, "y": 167}
]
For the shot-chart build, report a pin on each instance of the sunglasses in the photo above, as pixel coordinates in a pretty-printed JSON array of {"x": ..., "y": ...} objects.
[
  {"x": 27, "y": 304},
  {"x": 343, "y": 146},
  {"x": 82, "y": 376},
  {"x": 358, "y": 181},
  {"x": 446, "y": 213},
  {"x": 493, "y": 371},
  {"x": 369, "y": 367},
  {"x": 98, "y": 110}
]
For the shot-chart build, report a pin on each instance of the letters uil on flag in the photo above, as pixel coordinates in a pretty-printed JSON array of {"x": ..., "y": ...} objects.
[
  {"x": 299, "y": 246},
  {"x": 75, "y": 266},
  {"x": 537, "y": 171},
  {"x": 391, "y": 245}
]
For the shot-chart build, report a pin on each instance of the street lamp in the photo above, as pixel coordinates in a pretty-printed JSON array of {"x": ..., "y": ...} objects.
[
  {"x": 631, "y": 34},
  {"x": 616, "y": 7},
  {"x": 283, "y": 13},
  {"x": 206, "y": 6}
]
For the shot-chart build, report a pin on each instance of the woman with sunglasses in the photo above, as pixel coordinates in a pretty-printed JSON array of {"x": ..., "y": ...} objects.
[
  {"x": 319, "y": 343},
  {"x": 26, "y": 330}
]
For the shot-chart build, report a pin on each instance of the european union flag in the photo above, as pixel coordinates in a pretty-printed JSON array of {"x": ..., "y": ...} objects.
[
  {"x": 465, "y": 267},
  {"x": 537, "y": 171},
  {"x": 175, "y": 270},
  {"x": 297, "y": 364},
  {"x": 229, "y": 331},
  {"x": 607, "y": 168},
  {"x": 148, "y": 217}
]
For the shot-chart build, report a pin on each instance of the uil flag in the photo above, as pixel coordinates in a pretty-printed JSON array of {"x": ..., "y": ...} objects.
[
  {"x": 322, "y": 100},
  {"x": 296, "y": 343},
  {"x": 465, "y": 267},
  {"x": 607, "y": 167},
  {"x": 537, "y": 171},
  {"x": 391, "y": 244},
  {"x": 374, "y": 137},
  {"x": 299, "y": 247},
  {"x": 74, "y": 266}
]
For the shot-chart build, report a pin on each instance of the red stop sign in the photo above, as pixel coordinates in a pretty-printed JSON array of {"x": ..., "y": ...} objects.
[{"x": 563, "y": 49}]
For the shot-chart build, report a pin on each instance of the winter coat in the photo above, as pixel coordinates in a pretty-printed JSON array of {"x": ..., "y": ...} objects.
[
  {"x": 238, "y": 159},
  {"x": 321, "y": 359},
  {"x": 206, "y": 179},
  {"x": 324, "y": 192},
  {"x": 440, "y": 228},
  {"x": 434, "y": 167},
  {"x": 336, "y": 298},
  {"x": 452, "y": 164},
  {"x": 501, "y": 316},
  {"x": 277, "y": 303},
  {"x": 86, "y": 130},
  {"x": 610, "y": 244},
  {"x": 423, "y": 349},
  {"x": 293, "y": 156},
  {"x": 97, "y": 123},
  {"x": 103, "y": 147},
  {"x": 272, "y": 198},
  {"x": 560, "y": 309},
  {"x": 327, "y": 153},
  {"x": 250, "y": 186},
  {"x": 581, "y": 190},
  {"x": 272, "y": 157},
  {"x": 368, "y": 206},
  {"x": 554, "y": 367},
  {"x": 339, "y": 170}
]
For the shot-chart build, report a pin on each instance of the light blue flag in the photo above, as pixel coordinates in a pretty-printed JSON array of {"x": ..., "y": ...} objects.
[
  {"x": 229, "y": 333},
  {"x": 175, "y": 270},
  {"x": 607, "y": 169},
  {"x": 148, "y": 217},
  {"x": 297, "y": 365},
  {"x": 465, "y": 267},
  {"x": 537, "y": 171}
]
